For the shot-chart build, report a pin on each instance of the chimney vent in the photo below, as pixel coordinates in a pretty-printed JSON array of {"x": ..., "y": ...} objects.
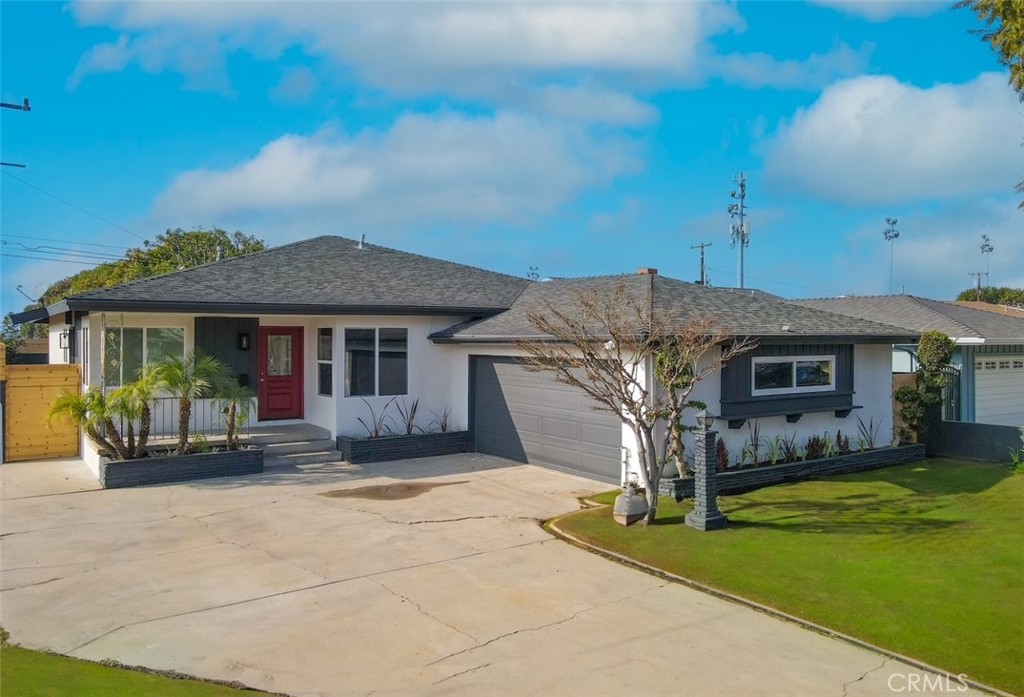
[{"x": 646, "y": 271}]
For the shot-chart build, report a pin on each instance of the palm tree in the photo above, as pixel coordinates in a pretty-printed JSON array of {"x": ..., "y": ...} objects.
[
  {"x": 95, "y": 413},
  {"x": 237, "y": 404},
  {"x": 131, "y": 402},
  {"x": 189, "y": 378}
]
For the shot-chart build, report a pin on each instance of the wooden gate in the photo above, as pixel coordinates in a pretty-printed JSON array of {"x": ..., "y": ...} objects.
[{"x": 31, "y": 391}]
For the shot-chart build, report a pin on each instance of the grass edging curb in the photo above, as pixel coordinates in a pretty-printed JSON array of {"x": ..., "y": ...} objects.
[{"x": 552, "y": 526}]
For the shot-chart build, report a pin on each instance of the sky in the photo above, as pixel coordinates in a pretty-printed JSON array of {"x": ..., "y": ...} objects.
[{"x": 577, "y": 138}]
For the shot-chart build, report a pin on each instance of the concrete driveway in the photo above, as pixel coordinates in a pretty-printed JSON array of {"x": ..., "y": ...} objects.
[{"x": 454, "y": 589}]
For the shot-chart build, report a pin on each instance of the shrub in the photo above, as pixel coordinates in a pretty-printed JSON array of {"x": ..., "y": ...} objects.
[{"x": 721, "y": 456}]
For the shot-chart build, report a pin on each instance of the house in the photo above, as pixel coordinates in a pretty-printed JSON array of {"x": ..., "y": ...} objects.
[
  {"x": 328, "y": 328},
  {"x": 989, "y": 348}
]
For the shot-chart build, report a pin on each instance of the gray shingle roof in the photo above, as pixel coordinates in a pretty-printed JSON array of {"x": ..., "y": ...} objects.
[
  {"x": 323, "y": 275},
  {"x": 922, "y": 314},
  {"x": 739, "y": 312}
]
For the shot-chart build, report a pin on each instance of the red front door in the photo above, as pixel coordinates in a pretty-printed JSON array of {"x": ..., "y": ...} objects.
[{"x": 280, "y": 388}]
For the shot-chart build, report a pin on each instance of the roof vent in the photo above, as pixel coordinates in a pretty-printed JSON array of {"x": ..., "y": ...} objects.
[{"x": 646, "y": 271}]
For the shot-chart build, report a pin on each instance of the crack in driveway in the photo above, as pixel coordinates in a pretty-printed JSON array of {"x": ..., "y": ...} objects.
[
  {"x": 315, "y": 586},
  {"x": 547, "y": 625},
  {"x": 846, "y": 686}
]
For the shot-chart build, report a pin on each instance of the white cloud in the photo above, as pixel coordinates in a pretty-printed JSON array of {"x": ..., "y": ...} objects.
[
  {"x": 505, "y": 54},
  {"x": 882, "y": 10},
  {"x": 817, "y": 70},
  {"x": 874, "y": 139},
  {"x": 424, "y": 170},
  {"x": 592, "y": 104},
  {"x": 297, "y": 85}
]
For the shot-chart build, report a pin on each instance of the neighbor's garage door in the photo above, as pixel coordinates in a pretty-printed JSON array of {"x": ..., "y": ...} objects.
[
  {"x": 530, "y": 417},
  {"x": 999, "y": 390}
]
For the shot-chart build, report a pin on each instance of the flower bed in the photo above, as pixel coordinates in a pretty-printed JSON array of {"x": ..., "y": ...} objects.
[
  {"x": 402, "y": 447},
  {"x": 739, "y": 481},
  {"x": 116, "y": 474}
]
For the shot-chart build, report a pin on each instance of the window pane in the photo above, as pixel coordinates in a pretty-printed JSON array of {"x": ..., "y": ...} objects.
[
  {"x": 131, "y": 353},
  {"x": 360, "y": 372},
  {"x": 773, "y": 376},
  {"x": 163, "y": 344},
  {"x": 325, "y": 379},
  {"x": 324, "y": 345},
  {"x": 279, "y": 354},
  {"x": 394, "y": 354},
  {"x": 813, "y": 373}
]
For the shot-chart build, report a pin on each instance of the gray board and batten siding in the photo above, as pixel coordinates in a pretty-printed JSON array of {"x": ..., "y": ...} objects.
[
  {"x": 530, "y": 417},
  {"x": 739, "y": 402},
  {"x": 219, "y": 337}
]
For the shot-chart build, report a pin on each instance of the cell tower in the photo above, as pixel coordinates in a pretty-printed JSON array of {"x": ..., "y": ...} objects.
[{"x": 739, "y": 230}]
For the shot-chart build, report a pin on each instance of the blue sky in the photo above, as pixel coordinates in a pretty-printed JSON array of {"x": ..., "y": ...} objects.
[{"x": 579, "y": 138}]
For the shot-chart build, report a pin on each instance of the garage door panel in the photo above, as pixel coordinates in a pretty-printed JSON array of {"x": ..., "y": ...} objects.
[
  {"x": 602, "y": 435},
  {"x": 530, "y": 417},
  {"x": 998, "y": 391}
]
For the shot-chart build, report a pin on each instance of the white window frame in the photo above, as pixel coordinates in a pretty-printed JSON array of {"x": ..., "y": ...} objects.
[
  {"x": 145, "y": 351},
  {"x": 760, "y": 360},
  {"x": 376, "y": 362},
  {"x": 321, "y": 361}
]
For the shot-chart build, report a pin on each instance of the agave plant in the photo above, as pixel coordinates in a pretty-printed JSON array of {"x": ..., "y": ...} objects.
[
  {"x": 95, "y": 413},
  {"x": 190, "y": 378}
]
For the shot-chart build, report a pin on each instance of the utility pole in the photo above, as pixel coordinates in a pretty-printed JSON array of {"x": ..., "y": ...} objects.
[
  {"x": 891, "y": 235},
  {"x": 739, "y": 231},
  {"x": 704, "y": 280},
  {"x": 24, "y": 106},
  {"x": 977, "y": 276}
]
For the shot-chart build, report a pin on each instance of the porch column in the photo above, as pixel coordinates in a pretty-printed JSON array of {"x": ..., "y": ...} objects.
[{"x": 705, "y": 515}]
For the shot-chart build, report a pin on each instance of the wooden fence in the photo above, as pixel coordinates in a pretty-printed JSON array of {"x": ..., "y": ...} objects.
[{"x": 30, "y": 392}]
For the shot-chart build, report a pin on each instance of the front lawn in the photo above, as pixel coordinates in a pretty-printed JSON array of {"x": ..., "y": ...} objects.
[
  {"x": 924, "y": 559},
  {"x": 25, "y": 673}
]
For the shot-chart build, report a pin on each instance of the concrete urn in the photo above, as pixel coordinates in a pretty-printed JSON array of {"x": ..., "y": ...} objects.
[{"x": 629, "y": 507}]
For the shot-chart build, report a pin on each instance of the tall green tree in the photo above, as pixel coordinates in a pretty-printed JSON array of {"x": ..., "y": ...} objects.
[{"x": 169, "y": 251}]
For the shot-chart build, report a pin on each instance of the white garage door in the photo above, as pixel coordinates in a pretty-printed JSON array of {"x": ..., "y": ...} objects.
[
  {"x": 530, "y": 417},
  {"x": 999, "y": 390}
]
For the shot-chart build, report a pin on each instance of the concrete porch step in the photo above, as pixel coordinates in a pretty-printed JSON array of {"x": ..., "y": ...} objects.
[
  {"x": 296, "y": 459},
  {"x": 286, "y": 433},
  {"x": 296, "y": 447}
]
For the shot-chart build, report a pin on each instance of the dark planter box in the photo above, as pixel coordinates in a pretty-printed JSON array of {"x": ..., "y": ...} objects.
[
  {"x": 362, "y": 450},
  {"x": 116, "y": 474},
  {"x": 740, "y": 481}
]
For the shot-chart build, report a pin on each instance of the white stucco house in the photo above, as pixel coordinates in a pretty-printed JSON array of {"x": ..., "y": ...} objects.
[{"x": 323, "y": 327}]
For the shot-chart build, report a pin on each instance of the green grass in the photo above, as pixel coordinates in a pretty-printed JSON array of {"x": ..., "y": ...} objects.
[
  {"x": 25, "y": 673},
  {"x": 925, "y": 559}
]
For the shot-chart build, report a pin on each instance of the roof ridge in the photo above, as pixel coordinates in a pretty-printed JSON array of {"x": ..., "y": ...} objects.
[
  {"x": 923, "y": 303},
  {"x": 225, "y": 260}
]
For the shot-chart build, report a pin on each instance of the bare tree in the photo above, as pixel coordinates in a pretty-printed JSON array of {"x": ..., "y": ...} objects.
[{"x": 607, "y": 343}]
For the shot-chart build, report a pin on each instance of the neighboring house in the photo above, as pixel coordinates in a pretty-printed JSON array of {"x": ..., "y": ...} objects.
[
  {"x": 989, "y": 347},
  {"x": 323, "y": 328}
]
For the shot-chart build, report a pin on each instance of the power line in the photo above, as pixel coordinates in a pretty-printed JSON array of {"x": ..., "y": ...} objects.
[
  {"x": 76, "y": 207},
  {"x": 25, "y": 256},
  {"x": 71, "y": 242},
  {"x": 40, "y": 223},
  {"x": 48, "y": 249}
]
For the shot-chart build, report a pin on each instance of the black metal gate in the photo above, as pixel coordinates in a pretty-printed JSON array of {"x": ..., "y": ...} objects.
[{"x": 951, "y": 393}]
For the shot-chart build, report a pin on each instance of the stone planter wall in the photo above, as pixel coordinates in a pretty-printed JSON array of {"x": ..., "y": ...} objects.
[
  {"x": 116, "y": 474},
  {"x": 363, "y": 450},
  {"x": 740, "y": 481}
]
